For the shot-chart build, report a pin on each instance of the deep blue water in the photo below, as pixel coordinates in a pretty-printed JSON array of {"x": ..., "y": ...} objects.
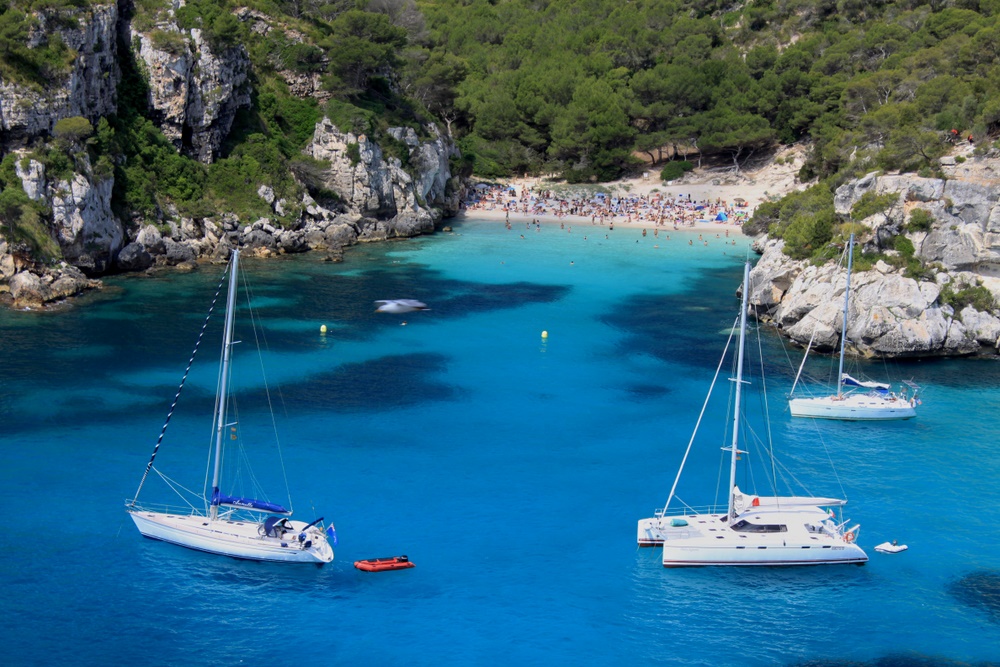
[{"x": 511, "y": 469}]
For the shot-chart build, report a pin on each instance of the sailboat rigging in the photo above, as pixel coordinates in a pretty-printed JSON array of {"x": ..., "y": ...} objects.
[
  {"x": 864, "y": 400},
  {"x": 231, "y": 525},
  {"x": 752, "y": 530}
]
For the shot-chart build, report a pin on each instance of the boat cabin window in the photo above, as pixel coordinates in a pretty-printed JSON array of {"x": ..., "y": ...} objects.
[{"x": 745, "y": 526}]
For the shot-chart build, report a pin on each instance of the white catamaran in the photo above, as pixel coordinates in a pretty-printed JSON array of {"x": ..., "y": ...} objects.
[
  {"x": 863, "y": 400},
  {"x": 752, "y": 530},
  {"x": 227, "y": 525}
]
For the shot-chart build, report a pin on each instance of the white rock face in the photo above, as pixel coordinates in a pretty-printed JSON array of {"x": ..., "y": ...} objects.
[
  {"x": 888, "y": 315},
  {"x": 374, "y": 185},
  {"x": 82, "y": 221},
  {"x": 195, "y": 91},
  {"x": 90, "y": 88},
  {"x": 966, "y": 233}
]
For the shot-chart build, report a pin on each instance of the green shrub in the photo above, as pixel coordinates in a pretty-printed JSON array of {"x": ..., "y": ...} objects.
[
  {"x": 171, "y": 42},
  {"x": 354, "y": 153},
  {"x": 903, "y": 246},
  {"x": 921, "y": 220},
  {"x": 867, "y": 261},
  {"x": 915, "y": 268},
  {"x": 74, "y": 129},
  {"x": 870, "y": 203},
  {"x": 350, "y": 118},
  {"x": 674, "y": 170},
  {"x": 233, "y": 182},
  {"x": 976, "y": 296}
]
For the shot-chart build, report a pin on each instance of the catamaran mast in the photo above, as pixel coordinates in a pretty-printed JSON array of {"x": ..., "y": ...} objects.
[
  {"x": 843, "y": 326},
  {"x": 739, "y": 389},
  {"x": 222, "y": 401}
]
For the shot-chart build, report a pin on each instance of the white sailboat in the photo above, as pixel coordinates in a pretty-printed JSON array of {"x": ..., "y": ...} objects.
[
  {"x": 863, "y": 401},
  {"x": 227, "y": 525},
  {"x": 752, "y": 530}
]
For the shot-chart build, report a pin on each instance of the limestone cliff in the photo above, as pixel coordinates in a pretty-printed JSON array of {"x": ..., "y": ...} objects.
[
  {"x": 891, "y": 314},
  {"x": 88, "y": 89},
  {"x": 194, "y": 89},
  {"x": 377, "y": 188}
]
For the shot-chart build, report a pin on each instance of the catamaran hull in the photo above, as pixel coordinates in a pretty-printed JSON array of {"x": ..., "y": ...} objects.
[
  {"x": 851, "y": 409},
  {"x": 773, "y": 556},
  {"x": 703, "y": 540},
  {"x": 236, "y": 539}
]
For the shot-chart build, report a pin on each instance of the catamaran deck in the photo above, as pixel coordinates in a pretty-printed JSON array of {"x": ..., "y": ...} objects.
[{"x": 791, "y": 536}]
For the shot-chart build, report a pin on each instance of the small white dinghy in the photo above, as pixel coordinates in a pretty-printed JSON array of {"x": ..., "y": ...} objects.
[{"x": 890, "y": 547}]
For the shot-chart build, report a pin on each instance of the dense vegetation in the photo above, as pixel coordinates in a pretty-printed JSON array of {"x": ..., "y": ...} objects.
[{"x": 576, "y": 88}]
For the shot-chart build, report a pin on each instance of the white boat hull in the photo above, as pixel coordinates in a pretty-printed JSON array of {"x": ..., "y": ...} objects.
[
  {"x": 853, "y": 407},
  {"x": 707, "y": 540},
  {"x": 237, "y": 539}
]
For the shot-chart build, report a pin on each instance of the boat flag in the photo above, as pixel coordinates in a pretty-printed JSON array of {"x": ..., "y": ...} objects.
[{"x": 332, "y": 532}]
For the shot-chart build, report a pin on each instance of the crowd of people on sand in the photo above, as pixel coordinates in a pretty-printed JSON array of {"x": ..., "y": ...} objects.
[{"x": 654, "y": 209}]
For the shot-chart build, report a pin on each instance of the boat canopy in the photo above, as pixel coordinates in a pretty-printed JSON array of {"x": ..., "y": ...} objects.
[
  {"x": 747, "y": 501},
  {"x": 248, "y": 504},
  {"x": 848, "y": 381}
]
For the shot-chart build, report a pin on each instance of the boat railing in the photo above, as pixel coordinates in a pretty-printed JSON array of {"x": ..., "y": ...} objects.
[
  {"x": 179, "y": 510},
  {"x": 688, "y": 510}
]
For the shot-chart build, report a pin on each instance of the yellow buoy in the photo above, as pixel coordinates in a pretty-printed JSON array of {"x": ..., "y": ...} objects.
[
  {"x": 322, "y": 328},
  {"x": 545, "y": 334}
]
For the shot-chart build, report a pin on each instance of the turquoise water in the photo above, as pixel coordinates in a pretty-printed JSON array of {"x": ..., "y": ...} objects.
[{"x": 511, "y": 468}]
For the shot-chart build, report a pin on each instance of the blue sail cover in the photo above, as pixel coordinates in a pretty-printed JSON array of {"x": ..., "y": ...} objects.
[
  {"x": 247, "y": 503},
  {"x": 848, "y": 381}
]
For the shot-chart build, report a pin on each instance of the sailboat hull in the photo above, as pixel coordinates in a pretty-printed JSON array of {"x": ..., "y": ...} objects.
[
  {"x": 236, "y": 539},
  {"x": 853, "y": 407}
]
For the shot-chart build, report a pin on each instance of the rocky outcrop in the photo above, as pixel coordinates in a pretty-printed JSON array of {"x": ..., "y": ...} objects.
[
  {"x": 300, "y": 84},
  {"x": 966, "y": 232},
  {"x": 88, "y": 233},
  {"x": 36, "y": 289},
  {"x": 89, "y": 89},
  {"x": 194, "y": 91},
  {"x": 889, "y": 314},
  {"x": 388, "y": 201}
]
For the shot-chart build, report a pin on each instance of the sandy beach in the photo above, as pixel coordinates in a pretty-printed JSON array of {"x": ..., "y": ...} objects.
[{"x": 694, "y": 203}]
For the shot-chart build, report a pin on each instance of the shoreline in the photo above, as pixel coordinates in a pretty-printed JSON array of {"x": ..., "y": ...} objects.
[
  {"x": 584, "y": 222},
  {"x": 639, "y": 203}
]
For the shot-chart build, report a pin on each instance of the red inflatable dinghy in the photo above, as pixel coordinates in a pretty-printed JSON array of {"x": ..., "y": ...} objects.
[{"x": 382, "y": 564}]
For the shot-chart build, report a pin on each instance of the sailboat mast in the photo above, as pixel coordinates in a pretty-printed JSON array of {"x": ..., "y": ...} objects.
[
  {"x": 739, "y": 389},
  {"x": 223, "y": 398},
  {"x": 843, "y": 326}
]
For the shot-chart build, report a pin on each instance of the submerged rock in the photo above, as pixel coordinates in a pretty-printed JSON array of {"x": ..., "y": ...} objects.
[{"x": 980, "y": 590}]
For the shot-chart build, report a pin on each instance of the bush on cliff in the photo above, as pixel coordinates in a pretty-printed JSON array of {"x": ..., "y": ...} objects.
[
  {"x": 806, "y": 220},
  {"x": 23, "y": 220},
  {"x": 29, "y": 62},
  {"x": 977, "y": 296}
]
